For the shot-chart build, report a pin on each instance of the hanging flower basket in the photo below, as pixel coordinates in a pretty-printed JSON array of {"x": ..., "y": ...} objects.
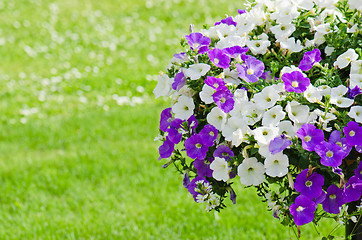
[{"x": 270, "y": 98}]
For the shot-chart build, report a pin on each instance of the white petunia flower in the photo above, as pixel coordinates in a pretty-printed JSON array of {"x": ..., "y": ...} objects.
[
  {"x": 240, "y": 135},
  {"x": 264, "y": 150},
  {"x": 319, "y": 38},
  {"x": 164, "y": 86},
  {"x": 217, "y": 118},
  {"x": 260, "y": 45},
  {"x": 251, "y": 172},
  {"x": 355, "y": 4},
  {"x": 231, "y": 126},
  {"x": 252, "y": 113},
  {"x": 257, "y": 16},
  {"x": 263, "y": 135},
  {"x": 285, "y": 14},
  {"x": 244, "y": 25},
  {"x": 276, "y": 165},
  {"x": 241, "y": 95},
  {"x": 183, "y": 108},
  {"x": 231, "y": 77},
  {"x": 239, "y": 107},
  {"x": 356, "y": 113},
  {"x": 297, "y": 112},
  {"x": 283, "y": 31},
  {"x": 345, "y": 58},
  {"x": 356, "y": 80},
  {"x": 206, "y": 94},
  {"x": 329, "y": 50},
  {"x": 324, "y": 89},
  {"x": 266, "y": 98},
  {"x": 313, "y": 94},
  {"x": 356, "y": 67},
  {"x": 196, "y": 71},
  {"x": 224, "y": 30},
  {"x": 220, "y": 169},
  {"x": 325, "y": 28},
  {"x": 337, "y": 98},
  {"x": 286, "y": 127},
  {"x": 273, "y": 116},
  {"x": 292, "y": 45}
]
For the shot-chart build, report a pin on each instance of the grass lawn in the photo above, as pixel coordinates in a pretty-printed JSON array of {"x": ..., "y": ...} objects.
[{"x": 77, "y": 156}]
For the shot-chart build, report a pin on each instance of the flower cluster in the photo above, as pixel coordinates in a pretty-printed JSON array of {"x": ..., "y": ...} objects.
[{"x": 271, "y": 97}]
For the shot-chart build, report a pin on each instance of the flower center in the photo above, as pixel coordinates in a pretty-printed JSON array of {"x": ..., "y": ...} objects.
[
  {"x": 268, "y": 99},
  {"x": 339, "y": 144},
  {"x": 329, "y": 154},
  {"x": 250, "y": 71},
  {"x": 300, "y": 208},
  {"x": 225, "y": 154},
  {"x": 265, "y": 133},
  {"x": 216, "y": 85},
  {"x": 276, "y": 161},
  {"x": 222, "y": 100},
  {"x": 332, "y": 196},
  {"x": 257, "y": 45},
  {"x": 211, "y": 134},
  {"x": 198, "y": 145},
  {"x": 186, "y": 108},
  {"x": 352, "y": 133},
  {"x": 251, "y": 169},
  {"x": 308, "y": 183},
  {"x": 295, "y": 84},
  {"x": 282, "y": 28},
  {"x": 216, "y": 61},
  {"x": 307, "y": 138},
  {"x": 196, "y": 45}
]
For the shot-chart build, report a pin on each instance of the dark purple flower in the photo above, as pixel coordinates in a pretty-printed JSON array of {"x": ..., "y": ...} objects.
[
  {"x": 227, "y": 21},
  {"x": 166, "y": 149},
  {"x": 197, "y": 41},
  {"x": 192, "y": 122},
  {"x": 310, "y": 136},
  {"x": 353, "y": 134},
  {"x": 266, "y": 76},
  {"x": 309, "y": 59},
  {"x": 251, "y": 70},
  {"x": 352, "y": 93},
  {"x": 208, "y": 134},
  {"x": 175, "y": 131},
  {"x": 179, "y": 81},
  {"x": 335, "y": 137},
  {"x": 337, "y": 170},
  {"x": 278, "y": 144},
  {"x": 203, "y": 167},
  {"x": 182, "y": 56},
  {"x": 186, "y": 180},
  {"x": 233, "y": 196},
  {"x": 295, "y": 82},
  {"x": 320, "y": 198},
  {"x": 199, "y": 185},
  {"x": 195, "y": 147},
  {"x": 223, "y": 151},
  {"x": 302, "y": 210},
  {"x": 241, "y": 11},
  {"x": 352, "y": 189},
  {"x": 215, "y": 83},
  {"x": 311, "y": 186},
  {"x": 358, "y": 148},
  {"x": 224, "y": 99},
  {"x": 235, "y": 51},
  {"x": 166, "y": 119},
  {"x": 331, "y": 154},
  {"x": 358, "y": 171},
  {"x": 219, "y": 58},
  {"x": 334, "y": 200}
]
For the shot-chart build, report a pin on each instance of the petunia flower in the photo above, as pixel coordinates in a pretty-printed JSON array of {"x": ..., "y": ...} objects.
[
  {"x": 251, "y": 172},
  {"x": 278, "y": 144},
  {"x": 227, "y": 21},
  {"x": 203, "y": 167},
  {"x": 195, "y": 147},
  {"x": 208, "y": 134},
  {"x": 309, "y": 59},
  {"x": 302, "y": 210},
  {"x": 276, "y": 165},
  {"x": 219, "y": 58},
  {"x": 179, "y": 81},
  {"x": 353, "y": 134},
  {"x": 331, "y": 154},
  {"x": 223, "y": 151},
  {"x": 295, "y": 82},
  {"x": 334, "y": 200},
  {"x": 199, "y": 186},
  {"x": 224, "y": 100},
  {"x": 198, "y": 42},
  {"x": 309, "y": 186},
  {"x": 215, "y": 83},
  {"x": 220, "y": 169},
  {"x": 166, "y": 119},
  {"x": 175, "y": 131},
  {"x": 352, "y": 189},
  {"x": 310, "y": 136},
  {"x": 251, "y": 70},
  {"x": 166, "y": 149}
]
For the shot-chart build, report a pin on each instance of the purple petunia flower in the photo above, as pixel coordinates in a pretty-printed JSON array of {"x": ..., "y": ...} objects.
[
  {"x": 215, "y": 83},
  {"x": 334, "y": 200},
  {"x": 195, "y": 147},
  {"x": 175, "y": 131},
  {"x": 166, "y": 119},
  {"x": 278, "y": 144},
  {"x": 302, "y": 210},
  {"x": 227, "y": 21},
  {"x": 309, "y": 59},
  {"x": 352, "y": 189},
  {"x": 223, "y": 151},
  {"x": 219, "y": 58},
  {"x": 235, "y": 51},
  {"x": 251, "y": 70},
  {"x": 224, "y": 99},
  {"x": 203, "y": 167},
  {"x": 266, "y": 76},
  {"x": 310, "y": 136},
  {"x": 198, "y": 42},
  {"x": 311, "y": 186},
  {"x": 320, "y": 198},
  {"x": 335, "y": 137},
  {"x": 179, "y": 81},
  {"x": 353, "y": 134},
  {"x": 186, "y": 180},
  {"x": 331, "y": 154},
  {"x": 199, "y": 185},
  {"x": 295, "y": 82},
  {"x": 233, "y": 196},
  {"x": 358, "y": 171},
  {"x": 352, "y": 93},
  {"x": 208, "y": 134},
  {"x": 241, "y": 11},
  {"x": 182, "y": 56},
  {"x": 166, "y": 149},
  {"x": 192, "y": 122}
]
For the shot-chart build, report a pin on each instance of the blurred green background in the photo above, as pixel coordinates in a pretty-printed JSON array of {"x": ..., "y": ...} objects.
[{"x": 78, "y": 119}]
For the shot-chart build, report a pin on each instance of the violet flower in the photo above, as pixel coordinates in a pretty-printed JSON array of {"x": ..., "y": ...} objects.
[
  {"x": 195, "y": 147},
  {"x": 198, "y": 42},
  {"x": 186, "y": 179},
  {"x": 309, "y": 59},
  {"x": 353, "y": 134},
  {"x": 203, "y": 167},
  {"x": 182, "y": 56},
  {"x": 208, "y": 134},
  {"x": 241, "y": 11},
  {"x": 179, "y": 81},
  {"x": 175, "y": 131},
  {"x": 335, "y": 137},
  {"x": 334, "y": 200},
  {"x": 219, "y": 58},
  {"x": 251, "y": 70},
  {"x": 215, "y": 83},
  {"x": 331, "y": 154},
  {"x": 192, "y": 122},
  {"x": 223, "y": 151},
  {"x": 224, "y": 99},
  {"x": 310, "y": 136},
  {"x": 352, "y": 93},
  {"x": 302, "y": 210},
  {"x": 358, "y": 171},
  {"x": 352, "y": 189},
  {"x": 166, "y": 149},
  {"x": 320, "y": 198},
  {"x": 278, "y": 144},
  {"x": 227, "y": 21},
  {"x": 295, "y": 82},
  {"x": 311, "y": 186},
  {"x": 235, "y": 51},
  {"x": 199, "y": 185},
  {"x": 166, "y": 119}
]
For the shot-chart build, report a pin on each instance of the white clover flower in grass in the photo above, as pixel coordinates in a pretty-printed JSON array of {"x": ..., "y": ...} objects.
[
  {"x": 260, "y": 45},
  {"x": 266, "y": 98},
  {"x": 196, "y": 71},
  {"x": 345, "y": 58},
  {"x": 220, "y": 169},
  {"x": 356, "y": 113},
  {"x": 297, "y": 112},
  {"x": 286, "y": 127},
  {"x": 292, "y": 45},
  {"x": 263, "y": 135},
  {"x": 164, "y": 86},
  {"x": 273, "y": 116},
  {"x": 276, "y": 165},
  {"x": 184, "y": 107},
  {"x": 217, "y": 118},
  {"x": 337, "y": 98},
  {"x": 252, "y": 113},
  {"x": 313, "y": 94},
  {"x": 206, "y": 94},
  {"x": 240, "y": 135},
  {"x": 251, "y": 172},
  {"x": 356, "y": 67}
]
